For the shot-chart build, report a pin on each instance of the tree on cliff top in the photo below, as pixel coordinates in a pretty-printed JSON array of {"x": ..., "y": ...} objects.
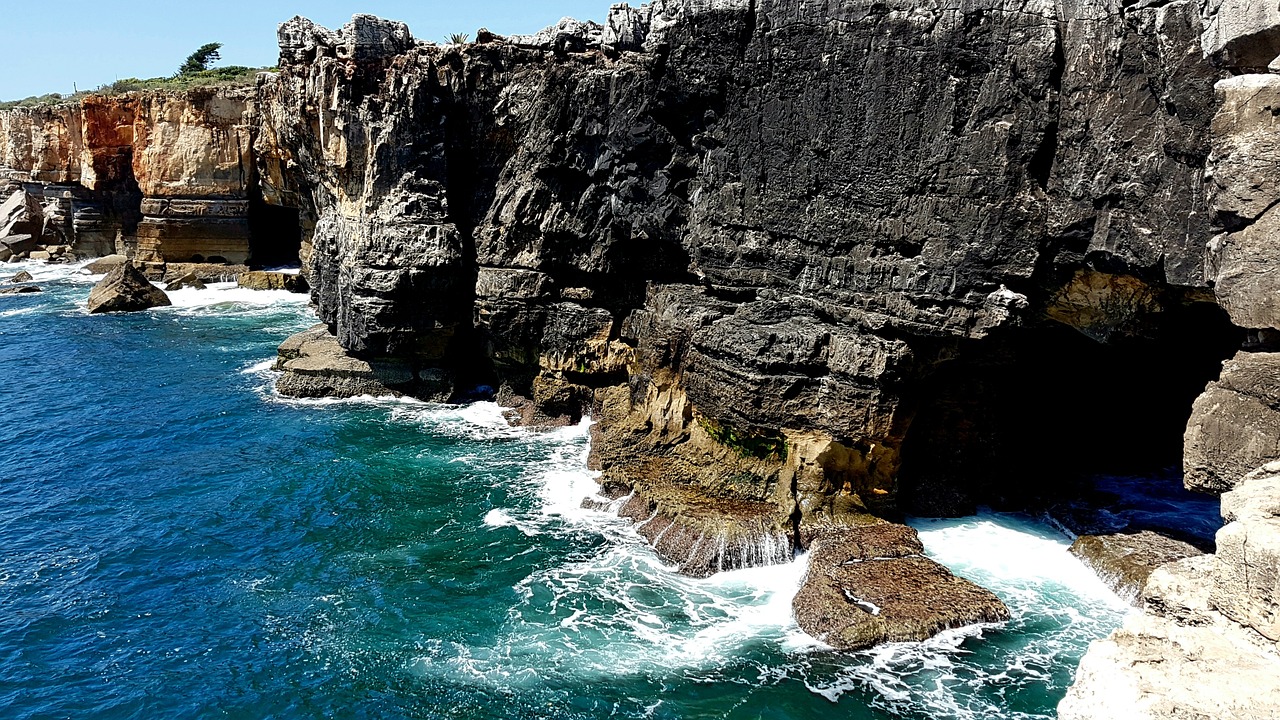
[{"x": 201, "y": 59}]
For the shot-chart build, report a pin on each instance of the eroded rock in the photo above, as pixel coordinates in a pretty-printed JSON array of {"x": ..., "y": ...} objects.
[
  {"x": 872, "y": 584},
  {"x": 262, "y": 280},
  {"x": 1124, "y": 561},
  {"x": 315, "y": 365}
]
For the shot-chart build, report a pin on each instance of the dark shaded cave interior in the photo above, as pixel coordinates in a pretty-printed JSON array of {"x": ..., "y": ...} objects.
[
  {"x": 275, "y": 233},
  {"x": 1026, "y": 419}
]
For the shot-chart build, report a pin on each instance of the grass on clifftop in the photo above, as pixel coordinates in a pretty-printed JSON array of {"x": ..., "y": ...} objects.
[{"x": 232, "y": 76}]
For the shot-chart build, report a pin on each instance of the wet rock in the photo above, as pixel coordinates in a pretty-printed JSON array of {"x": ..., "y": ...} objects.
[
  {"x": 872, "y": 584},
  {"x": 19, "y": 244},
  {"x": 19, "y": 290},
  {"x": 186, "y": 281},
  {"x": 205, "y": 272},
  {"x": 125, "y": 289},
  {"x": 21, "y": 277},
  {"x": 261, "y": 280},
  {"x": 1124, "y": 561}
]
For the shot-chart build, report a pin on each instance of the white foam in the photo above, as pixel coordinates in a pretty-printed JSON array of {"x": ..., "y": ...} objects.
[{"x": 230, "y": 296}]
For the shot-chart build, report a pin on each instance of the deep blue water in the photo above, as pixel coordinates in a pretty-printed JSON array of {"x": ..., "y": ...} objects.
[{"x": 176, "y": 541}]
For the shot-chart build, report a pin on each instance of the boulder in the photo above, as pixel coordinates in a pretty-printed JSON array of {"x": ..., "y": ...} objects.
[
  {"x": 1124, "y": 561},
  {"x": 19, "y": 244},
  {"x": 21, "y": 214},
  {"x": 186, "y": 281},
  {"x": 263, "y": 280},
  {"x": 19, "y": 290},
  {"x": 40, "y": 255},
  {"x": 105, "y": 264},
  {"x": 872, "y": 584},
  {"x": 21, "y": 277},
  {"x": 125, "y": 289}
]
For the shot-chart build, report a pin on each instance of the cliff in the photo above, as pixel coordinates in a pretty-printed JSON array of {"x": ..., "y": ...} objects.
[{"x": 808, "y": 265}]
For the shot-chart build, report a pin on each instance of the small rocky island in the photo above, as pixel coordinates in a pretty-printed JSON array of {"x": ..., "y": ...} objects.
[{"x": 810, "y": 269}]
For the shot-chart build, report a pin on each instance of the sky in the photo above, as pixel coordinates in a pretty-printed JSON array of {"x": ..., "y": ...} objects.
[{"x": 82, "y": 44}]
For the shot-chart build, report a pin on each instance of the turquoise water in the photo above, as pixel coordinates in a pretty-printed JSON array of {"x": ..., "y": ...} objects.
[{"x": 177, "y": 541}]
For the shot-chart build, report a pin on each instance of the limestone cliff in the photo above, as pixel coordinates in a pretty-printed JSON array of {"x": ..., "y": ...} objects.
[{"x": 162, "y": 176}]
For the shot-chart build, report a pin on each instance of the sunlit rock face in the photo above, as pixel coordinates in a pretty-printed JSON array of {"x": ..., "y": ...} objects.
[{"x": 808, "y": 266}]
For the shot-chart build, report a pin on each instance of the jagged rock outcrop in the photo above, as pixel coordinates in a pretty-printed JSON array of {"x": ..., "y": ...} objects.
[
  {"x": 125, "y": 289},
  {"x": 871, "y": 584},
  {"x": 1205, "y": 645},
  {"x": 1126, "y": 560},
  {"x": 800, "y": 261}
]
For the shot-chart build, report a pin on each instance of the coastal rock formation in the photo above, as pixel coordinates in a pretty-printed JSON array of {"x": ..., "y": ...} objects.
[
  {"x": 872, "y": 584},
  {"x": 125, "y": 289},
  {"x": 1205, "y": 644},
  {"x": 1125, "y": 560},
  {"x": 261, "y": 280},
  {"x": 315, "y": 365},
  {"x": 806, "y": 265}
]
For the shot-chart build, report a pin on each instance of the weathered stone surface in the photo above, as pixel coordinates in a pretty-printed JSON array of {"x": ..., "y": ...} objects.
[
  {"x": 872, "y": 584},
  {"x": 1241, "y": 33},
  {"x": 1178, "y": 659},
  {"x": 20, "y": 214},
  {"x": 21, "y": 277},
  {"x": 1235, "y": 425},
  {"x": 315, "y": 365},
  {"x": 125, "y": 289},
  {"x": 1124, "y": 561},
  {"x": 261, "y": 280}
]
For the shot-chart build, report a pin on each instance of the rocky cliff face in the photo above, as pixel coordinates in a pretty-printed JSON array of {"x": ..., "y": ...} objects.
[
  {"x": 808, "y": 265},
  {"x": 162, "y": 176}
]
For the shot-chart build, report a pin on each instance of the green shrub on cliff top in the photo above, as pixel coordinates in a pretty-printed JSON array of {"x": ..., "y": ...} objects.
[{"x": 201, "y": 59}]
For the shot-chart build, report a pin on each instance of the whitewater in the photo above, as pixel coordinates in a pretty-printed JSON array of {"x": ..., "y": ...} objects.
[{"x": 180, "y": 541}]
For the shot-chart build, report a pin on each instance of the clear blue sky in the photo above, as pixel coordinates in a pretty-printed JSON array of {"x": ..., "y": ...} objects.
[{"x": 46, "y": 47}]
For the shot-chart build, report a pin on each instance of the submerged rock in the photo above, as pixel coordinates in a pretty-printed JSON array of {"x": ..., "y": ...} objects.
[
  {"x": 869, "y": 585},
  {"x": 19, "y": 290},
  {"x": 1124, "y": 561},
  {"x": 125, "y": 289}
]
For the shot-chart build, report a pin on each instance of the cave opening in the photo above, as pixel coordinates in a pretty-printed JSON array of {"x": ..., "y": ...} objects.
[
  {"x": 275, "y": 233},
  {"x": 1031, "y": 417}
]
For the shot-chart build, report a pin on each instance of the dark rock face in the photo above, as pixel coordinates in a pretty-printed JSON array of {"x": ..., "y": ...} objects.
[
  {"x": 743, "y": 235},
  {"x": 125, "y": 289},
  {"x": 872, "y": 584},
  {"x": 19, "y": 290}
]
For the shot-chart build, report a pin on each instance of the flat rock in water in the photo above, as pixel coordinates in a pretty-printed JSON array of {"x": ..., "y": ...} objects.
[
  {"x": 19, "y": 290},
  {"x": 125, "y": 289},
  {"x": 1124, "y": 561},
  {"x": 872, "y": 584},
  {"x": 315, "y": 365}
]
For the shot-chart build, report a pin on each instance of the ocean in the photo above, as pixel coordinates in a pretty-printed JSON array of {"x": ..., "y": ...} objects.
[{"x": 177, "y": 541}]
